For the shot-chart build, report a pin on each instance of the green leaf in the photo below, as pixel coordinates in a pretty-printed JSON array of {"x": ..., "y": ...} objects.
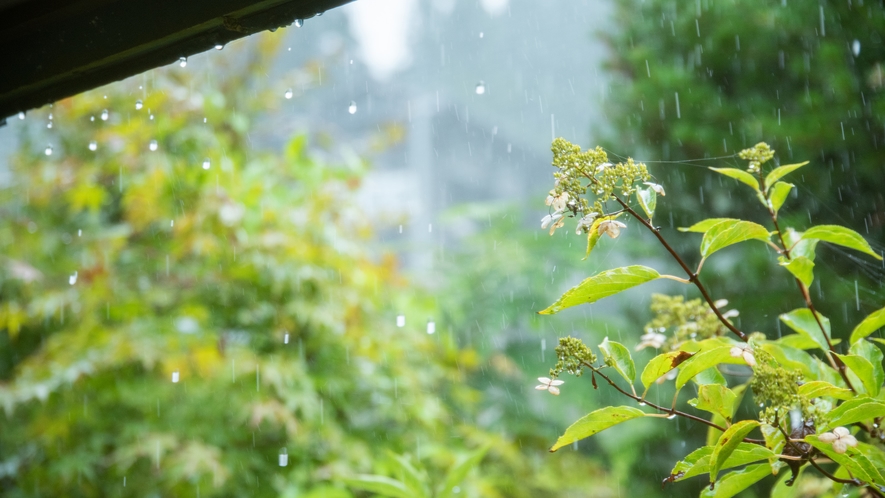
[
  {"x": 864, "y": 371},
  {"x": 412, "y": 478},
  {"x": 727, "y": 443},
  {"x": 793, "y": 358},
  {"x": 855, "y": 410},
  {"x": 711, "y": 375},
  {"x": 801, "y": 268},
  {"x": 704, "y": 360},
  {"x": 647, "y": 201},
  {"x": 715, "y": 398},
  {"x": 605, "y": 284},
  {"x": 731, "y": 232},
  {"x": 774, "y": 438},
  {"x": 381, "y": 485},
  {"x": 779, "y": 195},
  {"x": 593, "y": 233},
  {"x": 802, "y": 321},
  {"x": 458, "y": 473},
  {"x": 856, "y": 462},
  {"x": 820, "y": 388},
  {"x": 738, "y": 480},
  {"x": 596, "y": 421},
  {"x": 698, "y": 461},
  {"x": 800, "y": 341},
  {"x": 873, "y": 354},
  {"x": 870, "y": 324},
  {"x": 703, "y": 226},
  {"x": 740, "y": 175},
  {"x": 778, "y": 173},
  {"x": 835, "y": 234},
  {"x": 798, "y": 246},
  {"x": 660, "y": 365},
  {"x": 618, "y": 357}
]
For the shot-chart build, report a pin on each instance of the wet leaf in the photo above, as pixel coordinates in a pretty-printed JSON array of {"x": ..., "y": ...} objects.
[
  {"x": 715, "y": 398},
  {"x": 802, "y": 321},
  {"x": 381, "y": 485},
  {"x": 739, "y": 175},
  {"x": 458, "y": 473},
  {"x": 779, "y": 194},
  {"x": 835, "y": 234},
  {"x": 855, "y": 410},
  {"x": 618, "y": 357},
  {"x": 794, "y": 358},
  {"x": 703, "y": 226},
  {"x": 602, "y": 285},
  {"x": 734, "y": 482},
  {"x": 660, "y": 365},
  {"x": 863, "y": 361},
  {"x": 780, "y": 172},
  {"x": 698, "y": 461},
  {"x": 801, "y": 268},
  {"x": 820, "y": 388},
  {"x": 703, "y": 360},
  {"x": 870, "y": 324},
  {"x": 596, "y": 421},
  {"x": 853, "y": 460},
  {"x": 593, "y": 233},
  {"x": 727, "y": 443},
  {"x": 647, "y": 201},
  {"x": 731, "y": 232}
]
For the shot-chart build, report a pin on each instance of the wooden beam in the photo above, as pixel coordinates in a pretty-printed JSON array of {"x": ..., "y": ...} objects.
[{"x": 52, "y": 49}]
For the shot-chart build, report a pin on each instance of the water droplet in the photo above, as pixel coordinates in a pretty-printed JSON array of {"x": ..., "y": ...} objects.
[
  {"x": 352, "y": 107},
  {"x": 351, "y": 61},
  {"x": 286, "y": 338},
  {"x": 49, "y": 124},
  {"x": 204, "y": 120},
  {"x": 93, "y": 145},
  {"x": 288, "y": 94},
  {"x": 175, "y": 376},
  {"x": 151, "y": 117},
  {"x": 48, "y": 150},
  {"x": 21, "y": 115},
  {"x": 219, "y": 46},
  {"x": 855, "y": 47},
  {"x": 206, "y": 163},
  {"x": 671, "y": 416},
  {"x": 480, "y": 88},
  {"x": 642, "y": 403},
  {"x": 153, "y": 145},
  {"x": 298, "y": 23},
  {"x": 79, "y": 233},
  {"x": 138, "y": 105},
  {"x": 284, "y": 457},
  {"x": 401, "y": 320},
  {"x": 431, "y": 327},
  {"x": 104, "y": 115},
  {"x": 182, "y": 61},
  {"x": 50, "y": 116},
  {"x": 73, "y": 279},
  {"x": 481, "y": 34}
]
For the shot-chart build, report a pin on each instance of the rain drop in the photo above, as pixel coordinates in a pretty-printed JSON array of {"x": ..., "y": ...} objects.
[
  {"x": 298, "y": 23},
  {"x": 286, "y": 338},
  {"x": 431, "y": 327},
  {"x": 175, "y": 377},
  {"x": 93, "y": 145},
  {"x": 49, "y": 124},
  {"x": 219, "y": 46},
  {"x": 481, "y": 34},
  {"x": 352, "y": 107},
  {"x": 182, "y": 61},
  {"x": 151, "y": 117},
  {"x": 480, "y": 88},
  {"x": 73, "y": 279},
  {"x": 153, "y": 145},
  {"x": 642, "y": 403},
  {"x": 21, "y": 115},
  {"x": 401, "y": 321},
  {"x": 138, "y": 105},
  {"x": 288, "y": 94},
  {"x": 671, "y": 416},
  {"x": 91, "y": 118},
  {"x": 284, "y": 457},
  {"x": 104, "y": 115},
  {"x": 48, "y": 150},
  {"x": 855, "y": 47},
  {"x": 206, "y": 163}
]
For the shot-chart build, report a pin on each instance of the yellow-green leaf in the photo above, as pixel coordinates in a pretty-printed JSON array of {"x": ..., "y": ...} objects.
[
  {"x": 593, "y": 233},
  {"x": 739, "y": 175},
  {"x": 853, "y": 460},
  {"x": 736, "y": 481},
  {"x": 618, "y": 357},
  {"x": 779, "y": 194},
  {"x": 835, "y": 234},
  {"x": 715, "y": 398},
  {"x": 698, "y": 461},
  {"x": 820, "y": 388},
  {"x": 661, "y": 364},
  {"x": 864, "y": 371},
  {"x": 870, "y": 324},
  {"x": 647, "y": 201},
  {"x": 778, "y": 173},
  {"x": 731, "y": 232},
  {"x": 381, "y": 485},
  {"x": 802, "y": 321},
  {"x": 596, "y": 421},
  {"x": 703, "y": 226},
  {"x": 704, "y": 360},
  {"x": 727, "y": 443},
  {"x": 855, "y": 410},
  {"x": 801, "y": 268},
  {"x": 605, "y": 284}
]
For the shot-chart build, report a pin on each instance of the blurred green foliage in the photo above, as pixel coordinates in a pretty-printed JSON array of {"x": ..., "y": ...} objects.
[
  {"x": 704, "y": 79},
  {"x": 244, "y": 275}
]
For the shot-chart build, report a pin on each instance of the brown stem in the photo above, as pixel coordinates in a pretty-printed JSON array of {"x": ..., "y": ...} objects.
[{"x": 661, "y": 409}]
